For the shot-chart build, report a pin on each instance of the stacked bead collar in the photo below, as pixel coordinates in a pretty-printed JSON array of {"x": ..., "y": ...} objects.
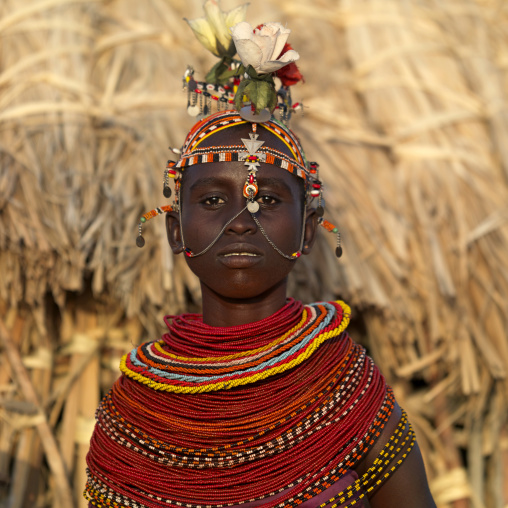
[
  {"x": 192, "y": 424},
  {"x": 245, "y": 354}
]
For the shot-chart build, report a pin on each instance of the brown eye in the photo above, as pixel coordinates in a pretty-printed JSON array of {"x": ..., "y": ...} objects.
[
  {"x": 267, "y": 200},
  {"x": 213, "y": 201}
]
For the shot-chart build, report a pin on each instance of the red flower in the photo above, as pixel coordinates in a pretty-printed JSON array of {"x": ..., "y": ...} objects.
[{"x": 289, "y": 74}]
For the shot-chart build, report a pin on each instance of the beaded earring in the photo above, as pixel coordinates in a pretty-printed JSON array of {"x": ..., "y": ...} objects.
[
  {"x": 317, "y": 188},
  {"x": 316, "y": 191},
  {"x": 140, "y": 241},
  {"x": 332, "y": 229},
  {"x": 169, "y": 172},
  {"x": 166, "y": 191}
]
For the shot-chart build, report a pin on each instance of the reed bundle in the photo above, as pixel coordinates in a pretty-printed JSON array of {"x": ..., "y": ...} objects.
[{"x": 406, "y": 110}]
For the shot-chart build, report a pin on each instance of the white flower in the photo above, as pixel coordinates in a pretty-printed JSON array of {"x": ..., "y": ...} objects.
[
  {"x": 262, "y": 47},
  {"x": 213, "y": 30}
]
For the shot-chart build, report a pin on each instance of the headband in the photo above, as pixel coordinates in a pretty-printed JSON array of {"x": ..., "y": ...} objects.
[{"x": 192, "y": 154}]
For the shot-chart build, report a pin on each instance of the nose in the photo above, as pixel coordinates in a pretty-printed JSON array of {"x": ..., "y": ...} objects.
[{"x": 243, "y": 223}]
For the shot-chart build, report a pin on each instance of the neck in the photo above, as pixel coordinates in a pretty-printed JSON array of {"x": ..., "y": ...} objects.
[{"x": 221, "y": 311}]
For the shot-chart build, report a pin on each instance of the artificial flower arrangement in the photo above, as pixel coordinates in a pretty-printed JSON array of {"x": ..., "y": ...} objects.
[{"x": 263, "y": 54}]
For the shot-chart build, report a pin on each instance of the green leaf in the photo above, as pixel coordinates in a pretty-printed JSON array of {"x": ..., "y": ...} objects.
[
  {"x": 264, "y": 91},
  {"x": 241, "y": 68},
  {"x": 240, "y": 93},
  {"x": 260, "y": 92},
  {"x": 266, "y": 96},
  {"x": 272, "y": 100},
  {"x": 226, "y": 75},
  {"x": 269, "y": 79},
  {"x": 252, "y": 92},
  {"x": 252, "y": 72},
  {"x": 221, "y": 72}
]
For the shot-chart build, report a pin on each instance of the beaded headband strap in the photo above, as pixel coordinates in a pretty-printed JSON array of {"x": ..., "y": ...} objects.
[
  {"x": 233, "y": 154},
  {"x": 226, "y": 119}
]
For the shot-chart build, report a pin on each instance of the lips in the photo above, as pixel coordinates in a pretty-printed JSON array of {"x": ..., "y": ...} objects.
[
  {"x": 240, "y": 249},
  {"x": 239, "y": 256}
]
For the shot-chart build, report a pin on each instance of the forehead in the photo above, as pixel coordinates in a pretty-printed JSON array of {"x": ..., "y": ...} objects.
[{"x": 211, "y": 173}]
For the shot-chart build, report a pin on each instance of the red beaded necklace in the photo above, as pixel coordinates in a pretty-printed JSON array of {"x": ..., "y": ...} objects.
[
  {"x": 292, "y": 432},
  {"x": 189, "y": 336}
]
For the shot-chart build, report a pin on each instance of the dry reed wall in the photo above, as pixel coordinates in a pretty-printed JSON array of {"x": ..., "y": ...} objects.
[{"x": 406, "y": 111}]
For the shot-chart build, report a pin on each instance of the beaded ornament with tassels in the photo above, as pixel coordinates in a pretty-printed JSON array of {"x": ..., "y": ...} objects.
[{"x": 248, "y": 84}]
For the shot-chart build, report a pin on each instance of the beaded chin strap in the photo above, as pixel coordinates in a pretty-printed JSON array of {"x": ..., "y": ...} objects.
[{"x": 253, "y": 151}]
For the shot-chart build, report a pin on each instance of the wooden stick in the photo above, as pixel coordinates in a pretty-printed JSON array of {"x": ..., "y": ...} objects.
[
  {"x": 51, "y": 450},
  {"x": 88, "y": 391}
]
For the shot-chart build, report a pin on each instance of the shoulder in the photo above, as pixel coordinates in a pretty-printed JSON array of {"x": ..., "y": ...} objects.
[
  {"x": 397, "y": 449},
  {"x": 392, "y": 471}
]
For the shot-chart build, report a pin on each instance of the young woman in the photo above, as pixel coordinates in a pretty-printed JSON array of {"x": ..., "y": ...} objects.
[{"x": 261, "y": 400}]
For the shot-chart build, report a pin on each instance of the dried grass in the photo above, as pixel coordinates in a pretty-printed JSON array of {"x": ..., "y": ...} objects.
[{"x": 407, "y": 114}]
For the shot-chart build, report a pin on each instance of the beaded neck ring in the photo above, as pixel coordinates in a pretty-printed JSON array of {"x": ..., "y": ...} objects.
[{"x": 252, "y": 90}]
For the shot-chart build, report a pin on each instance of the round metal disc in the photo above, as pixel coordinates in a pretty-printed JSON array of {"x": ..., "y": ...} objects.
[
  {"x": 253, "y": 206},
  {"x": 193, "y": 110},
  {"x": 247, "y": 114}
]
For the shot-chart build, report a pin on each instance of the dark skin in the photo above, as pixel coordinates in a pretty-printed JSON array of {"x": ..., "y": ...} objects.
[
  {"x": 243, "y": 279},
  {"x": 211, "y": 195}
]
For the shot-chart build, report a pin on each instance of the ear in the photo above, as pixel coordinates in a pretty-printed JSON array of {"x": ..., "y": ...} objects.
[
  {"x": 174, "y": 233},
  {"x": 310, "y": 230}
]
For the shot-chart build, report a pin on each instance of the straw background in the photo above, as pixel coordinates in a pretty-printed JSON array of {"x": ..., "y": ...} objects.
[{"x": 406, "y": 110}]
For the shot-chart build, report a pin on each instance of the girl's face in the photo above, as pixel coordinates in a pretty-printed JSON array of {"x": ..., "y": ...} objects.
[{"x": 241, "y": 264}]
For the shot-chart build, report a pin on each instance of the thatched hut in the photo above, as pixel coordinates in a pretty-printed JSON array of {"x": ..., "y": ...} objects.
[{"x": 406, "y": 109}]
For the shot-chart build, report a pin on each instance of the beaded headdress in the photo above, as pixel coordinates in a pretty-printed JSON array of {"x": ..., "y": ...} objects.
[{"x": 249, "y": 85}]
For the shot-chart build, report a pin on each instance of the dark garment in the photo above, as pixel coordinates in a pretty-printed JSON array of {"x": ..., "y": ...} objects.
[{"x": 318, "y": 500}]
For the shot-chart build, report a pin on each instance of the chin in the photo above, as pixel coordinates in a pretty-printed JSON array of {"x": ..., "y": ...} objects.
[
  {"x": 240, "y": 289},
  {"x": 255, "y": 280}
]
